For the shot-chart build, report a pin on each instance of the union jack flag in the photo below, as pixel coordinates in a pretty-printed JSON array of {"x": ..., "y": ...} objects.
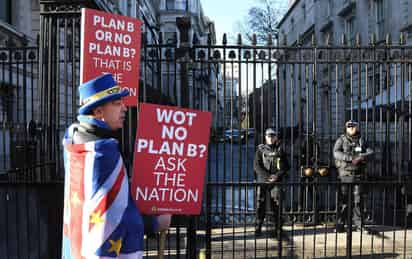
[{"x": 100, "y": 218}]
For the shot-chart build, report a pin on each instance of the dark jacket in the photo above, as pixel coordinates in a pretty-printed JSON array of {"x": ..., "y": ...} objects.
[
  {"x": 346, "y": 149},
  {"x": 85, "y": 132},
  {"x": 270, "y": 160}
]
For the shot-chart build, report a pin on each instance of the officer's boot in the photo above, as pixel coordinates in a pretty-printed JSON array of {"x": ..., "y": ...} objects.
[
  {"x": 260, "y": 209},
  {"x": 341, "y": 218},
  {"x": 342, "y": 209},
  {"x": 277, "y": 221},
  {"x": 357, "y": 218},
  {"x": 260, "y": 218},
  {"x": 409, "y": 210}
]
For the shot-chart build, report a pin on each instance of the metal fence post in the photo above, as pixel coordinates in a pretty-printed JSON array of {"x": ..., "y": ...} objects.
[
  {"x": 183, "y": 55},
  {"x": 349, "y": 220}
]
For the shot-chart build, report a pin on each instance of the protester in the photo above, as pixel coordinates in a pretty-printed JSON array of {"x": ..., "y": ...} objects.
[{"x": 100, "y": 217}]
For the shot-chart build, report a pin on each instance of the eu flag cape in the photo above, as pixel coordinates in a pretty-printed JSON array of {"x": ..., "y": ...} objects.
[{"x": 100, "y": 218}]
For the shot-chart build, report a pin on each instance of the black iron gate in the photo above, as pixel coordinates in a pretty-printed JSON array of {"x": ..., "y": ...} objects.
[{"x": 305, "y": 92}]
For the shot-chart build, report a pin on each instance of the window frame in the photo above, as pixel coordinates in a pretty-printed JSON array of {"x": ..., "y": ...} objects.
[
  {"x": 380, "y": 18},
  {"x": 329, "y": 8},
  {"x": 170, "y": 5},
  {"x": 350, "y": 29}
]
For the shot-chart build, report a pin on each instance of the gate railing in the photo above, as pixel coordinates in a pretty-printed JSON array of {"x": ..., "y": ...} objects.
[
  {"x": 31, "y": 222},
  {"x": 230, "y": 222},
  {"x": 20, "y": 135}
]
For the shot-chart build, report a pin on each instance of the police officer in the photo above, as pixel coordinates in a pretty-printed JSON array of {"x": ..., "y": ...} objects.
[
  {"x": 351, "y": 154},
  {"x": 270, "y": 165}
]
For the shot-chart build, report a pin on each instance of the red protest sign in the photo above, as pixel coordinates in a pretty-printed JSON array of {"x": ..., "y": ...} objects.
[
  {"x": 111, "y": 44},
  {"x": 170, "y": 159}
]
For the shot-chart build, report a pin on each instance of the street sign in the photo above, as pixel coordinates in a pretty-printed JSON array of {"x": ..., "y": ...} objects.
[{"x": 111, "y": 44}]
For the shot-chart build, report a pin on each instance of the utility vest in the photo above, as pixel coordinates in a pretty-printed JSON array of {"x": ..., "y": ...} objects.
[
  {"x": 271, "y": 158},
  {"x": 353, "y": 147}
]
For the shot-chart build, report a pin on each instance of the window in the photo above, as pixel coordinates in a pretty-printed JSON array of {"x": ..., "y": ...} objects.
[
  {"x": 409, "y": 34},
  {"x": 350, "y": 30},
  {"x": 374, "y": 82},
  {"x": 5, "y": 11},
  {"x": 170, "y": 37},
  {"x": 304, "y": 11},
  {"x": 327, "y": 34},
  {"x": 129, "y": 8},
  {"x": 292, "y": 24},
  {"x": 6, "y": 101},
  {"x": 380, "y": 19},
  {"x": 177, "y": 5},
  {"x": 181, "y": 5},
  {"x": 170, "y": 4},
  {"x": 329, "y": 8}
]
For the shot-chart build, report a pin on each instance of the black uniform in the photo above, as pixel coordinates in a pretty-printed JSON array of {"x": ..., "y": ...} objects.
[
  {"x": 346, "y": 150},
  {"x": 269, "y": 160}
]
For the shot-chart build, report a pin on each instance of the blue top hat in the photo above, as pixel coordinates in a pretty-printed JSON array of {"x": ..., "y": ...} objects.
[{"x": 98, "y": 91}]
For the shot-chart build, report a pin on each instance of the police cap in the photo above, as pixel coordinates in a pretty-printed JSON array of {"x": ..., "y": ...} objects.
[
  {"x": 351, "y": 123},
  {"x": 271, "y": 132}
]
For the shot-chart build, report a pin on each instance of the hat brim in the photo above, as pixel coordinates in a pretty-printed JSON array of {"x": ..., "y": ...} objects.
[
  {"x": 351, "y": 124},
  {"x": 85, "y": 109}
]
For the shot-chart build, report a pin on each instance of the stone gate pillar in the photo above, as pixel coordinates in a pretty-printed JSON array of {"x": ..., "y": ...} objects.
[{"x": 59, "y": 56}]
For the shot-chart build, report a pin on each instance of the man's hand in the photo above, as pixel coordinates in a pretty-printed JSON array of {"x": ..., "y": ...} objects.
[{"x": 273, "y": 178}]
